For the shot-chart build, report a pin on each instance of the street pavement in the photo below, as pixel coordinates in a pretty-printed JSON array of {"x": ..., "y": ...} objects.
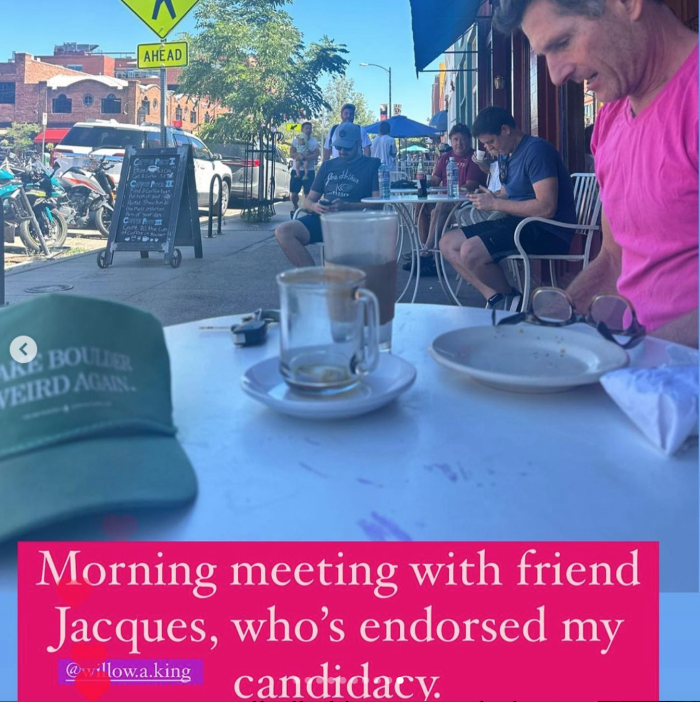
[{"x": 236, "y": 275}]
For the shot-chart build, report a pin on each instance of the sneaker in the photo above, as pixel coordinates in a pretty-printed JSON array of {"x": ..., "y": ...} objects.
[
  {"x": 428, "y": 267},
  {"x": 510, "y": 302}
]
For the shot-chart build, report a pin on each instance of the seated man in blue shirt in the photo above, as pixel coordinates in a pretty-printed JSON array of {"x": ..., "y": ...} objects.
[
  {"x": 534, "y": 183},
  {"x": 342, "y": 183}
]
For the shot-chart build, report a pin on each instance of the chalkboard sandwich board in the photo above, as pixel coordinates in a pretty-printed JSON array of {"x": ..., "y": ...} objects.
[{"x": 156, "y": 206}]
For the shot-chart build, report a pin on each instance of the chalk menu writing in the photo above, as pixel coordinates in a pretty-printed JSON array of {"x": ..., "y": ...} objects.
[{"x": 148, "y": 200}]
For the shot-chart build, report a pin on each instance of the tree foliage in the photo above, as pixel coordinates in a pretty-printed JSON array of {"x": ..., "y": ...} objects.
[
  {"x": 248, "y": 55},
  {"x": 21, "y": 136}
]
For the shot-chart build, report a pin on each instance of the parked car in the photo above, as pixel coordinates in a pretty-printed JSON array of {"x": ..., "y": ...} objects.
[
  {"x": 94, "y": 139},
  {"x": 241, "y": 157}
]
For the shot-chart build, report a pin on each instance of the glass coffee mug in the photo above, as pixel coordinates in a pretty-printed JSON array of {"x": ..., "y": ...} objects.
[
  {"x": 366, "y": 240},
  {"x": 328, "y": 329}
]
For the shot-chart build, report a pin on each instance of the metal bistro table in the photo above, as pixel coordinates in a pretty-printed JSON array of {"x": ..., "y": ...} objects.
[
  {"x": 404, "y": 205},
  {"x": 449, "y": 460}
]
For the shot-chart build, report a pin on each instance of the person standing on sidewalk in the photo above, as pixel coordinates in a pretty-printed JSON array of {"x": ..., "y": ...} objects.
[
  {"x": 347, "y": 114},
  {"x": 298, "y": 180},
  {"x": 384, "y": 146}
]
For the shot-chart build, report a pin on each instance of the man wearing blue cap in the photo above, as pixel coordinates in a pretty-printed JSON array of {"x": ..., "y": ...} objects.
[{"x": 340, "y": 184}]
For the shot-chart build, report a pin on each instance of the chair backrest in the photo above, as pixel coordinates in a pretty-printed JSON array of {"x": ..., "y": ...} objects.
[{"x": 586, "y": 197}]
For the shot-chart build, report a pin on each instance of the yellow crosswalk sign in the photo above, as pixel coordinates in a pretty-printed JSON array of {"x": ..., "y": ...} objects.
[{"x": 161, "y": 15}]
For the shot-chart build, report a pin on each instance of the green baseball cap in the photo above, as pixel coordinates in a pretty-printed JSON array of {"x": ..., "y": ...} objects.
[{"x": 86, "y": 426}]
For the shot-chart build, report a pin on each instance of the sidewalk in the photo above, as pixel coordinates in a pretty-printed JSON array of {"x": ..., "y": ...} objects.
[{"x": 236, "y": 275}]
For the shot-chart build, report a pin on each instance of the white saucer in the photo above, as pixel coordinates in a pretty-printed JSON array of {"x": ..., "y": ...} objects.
[
  {"x": 527, "y": 357},
  {"x": 263, "y": 382}
]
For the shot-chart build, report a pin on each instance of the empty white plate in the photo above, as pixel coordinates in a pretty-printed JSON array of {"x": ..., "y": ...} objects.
[
  {"x": 527, "y": 357},
  {"x": 264, "y": 383}
]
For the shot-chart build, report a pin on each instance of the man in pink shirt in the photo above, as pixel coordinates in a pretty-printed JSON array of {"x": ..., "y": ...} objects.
[{"x": 642, "y": 62}]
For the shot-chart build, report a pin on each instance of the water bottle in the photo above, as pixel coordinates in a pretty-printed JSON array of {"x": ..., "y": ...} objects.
[
  {"x": 452, "y": 178},
  {"x": 384, "y": 181}
]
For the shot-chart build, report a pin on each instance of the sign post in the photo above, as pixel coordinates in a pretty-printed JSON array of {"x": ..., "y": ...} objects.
[
  {"x": 156, "y": 204},
  {"x": 2, "y": 258},
  {"x": 44, "y": 122},
  {"x": 163, "y": 98}
]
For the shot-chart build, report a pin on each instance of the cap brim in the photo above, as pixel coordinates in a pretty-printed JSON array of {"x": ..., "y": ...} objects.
[{"x": 92, "y": 475}]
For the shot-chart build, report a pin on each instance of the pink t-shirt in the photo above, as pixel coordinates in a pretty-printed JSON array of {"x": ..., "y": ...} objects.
[{"x": 647, "y": 167}]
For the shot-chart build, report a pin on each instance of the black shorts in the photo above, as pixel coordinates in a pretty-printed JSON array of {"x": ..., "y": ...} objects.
[
  {"x": 313, "y": 224},
  {"x": 298, "y": 182},
  {"x": 498, "y": 236}
]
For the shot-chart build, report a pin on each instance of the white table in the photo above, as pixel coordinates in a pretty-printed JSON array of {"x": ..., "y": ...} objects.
[
  {"x": 404, "y": 205},
  {"x": 449, "y": 460}
]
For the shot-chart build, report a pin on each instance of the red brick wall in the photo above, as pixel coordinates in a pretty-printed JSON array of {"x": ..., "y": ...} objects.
[
  {"x": 152, "y": 94},
  {"x": 30, "y": 99},
  {"x": 202, "y": 107},
  {"x": 95, "y": 64},
  {"x": 81, "y": 112},
  {"x": 33, "y": 71}
]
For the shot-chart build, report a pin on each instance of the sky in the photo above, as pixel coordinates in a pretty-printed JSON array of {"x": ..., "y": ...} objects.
[{"x": 375, "y": 32}]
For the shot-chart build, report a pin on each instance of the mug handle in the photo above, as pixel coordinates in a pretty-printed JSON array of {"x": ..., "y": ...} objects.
[{"x": 368, "y": 357}]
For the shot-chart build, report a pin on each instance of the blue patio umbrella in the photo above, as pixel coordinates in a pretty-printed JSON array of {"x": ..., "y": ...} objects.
[
  {"x": 404, "y": 128},
  {"x": 439, "y": 121}
]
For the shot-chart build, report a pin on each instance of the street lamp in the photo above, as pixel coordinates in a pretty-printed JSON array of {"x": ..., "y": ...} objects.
[{"x": 388, "y": 70}]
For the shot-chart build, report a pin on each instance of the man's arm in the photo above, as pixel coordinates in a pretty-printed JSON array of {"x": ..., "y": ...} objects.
[
  {"x": 367, "y": 151},
  {"x": 683, "y": 330},
  {"x": 312, "y": 155},
  {"x": 327, "y": 150},
  {"x": 601, "y": 275},
  {"x": 484, "y": 166},
  {"x": 312, "y": 204},
  {"x": 543, "y": 205}
]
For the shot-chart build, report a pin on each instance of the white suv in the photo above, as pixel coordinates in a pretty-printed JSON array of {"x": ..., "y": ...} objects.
[{"x": 109, "y": 138}]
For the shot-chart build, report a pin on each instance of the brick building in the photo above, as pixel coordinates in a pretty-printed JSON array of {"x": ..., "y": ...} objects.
[{"x": 71, "y": 87}]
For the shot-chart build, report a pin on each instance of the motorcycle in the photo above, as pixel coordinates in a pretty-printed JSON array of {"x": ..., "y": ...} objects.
[
  {"x": 90, "y": 190},
  {"x": 30, "y": 209},
  {"x": 43, "y": 192}
]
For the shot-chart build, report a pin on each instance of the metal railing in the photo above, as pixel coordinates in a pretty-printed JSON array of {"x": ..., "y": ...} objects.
[
  {"x": 219, "y": 207},
  {"x": 259, "y": 188}
]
